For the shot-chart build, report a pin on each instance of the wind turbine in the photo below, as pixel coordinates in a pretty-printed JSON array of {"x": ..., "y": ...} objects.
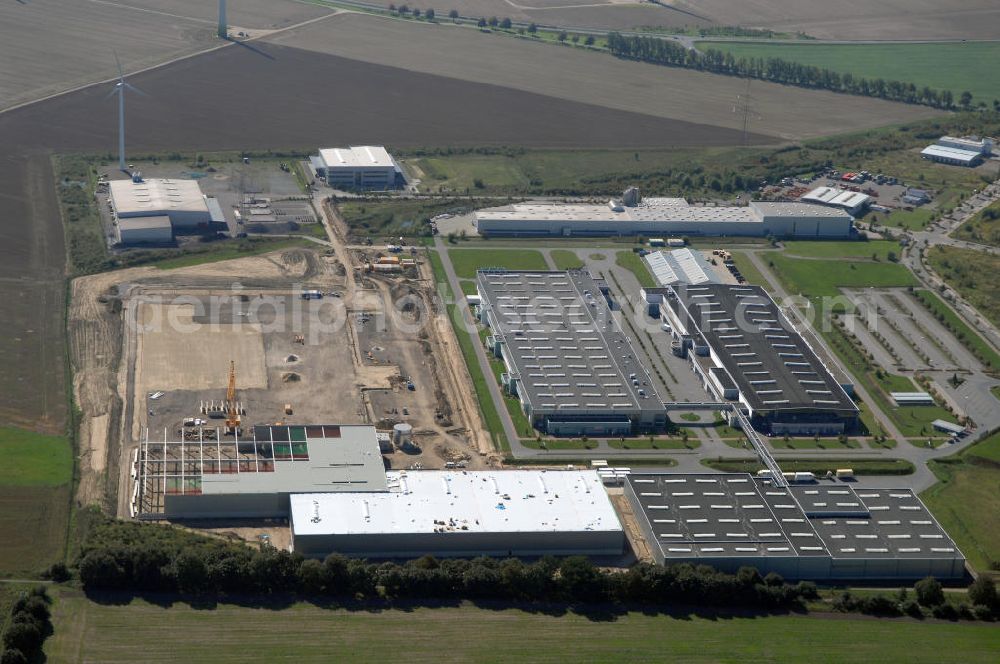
[
  {"x": 120, "y": 88},
  {"x": 223, "y": 32}
]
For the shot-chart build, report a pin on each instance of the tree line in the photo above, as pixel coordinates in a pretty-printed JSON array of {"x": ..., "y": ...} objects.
[
  {"x": 138, "y": 557},
  {"x": 777, "y": 70}
]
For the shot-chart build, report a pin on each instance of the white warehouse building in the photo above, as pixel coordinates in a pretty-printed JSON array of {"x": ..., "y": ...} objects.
[
  {"x": 442, "y": 513},
  {"x": 362, "y": 167},
  {"x": 664, "y": 216}
]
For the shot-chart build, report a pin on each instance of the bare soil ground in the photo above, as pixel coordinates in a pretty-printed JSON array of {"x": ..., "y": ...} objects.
[
  {"x": 859, "y": 19},
  {"x": 592, "y": 78},
  {"x": 51, "y": 45}
]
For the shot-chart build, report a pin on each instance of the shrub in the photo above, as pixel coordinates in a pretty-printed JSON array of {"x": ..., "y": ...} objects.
[
  {"x": 983, "y": 591},
  {"x": 929, "y": 592}
]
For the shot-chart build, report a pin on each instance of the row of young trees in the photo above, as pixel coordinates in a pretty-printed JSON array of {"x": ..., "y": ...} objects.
[
  {"x": 664, "y": 52},
  {"x": 29, "y": 625}
]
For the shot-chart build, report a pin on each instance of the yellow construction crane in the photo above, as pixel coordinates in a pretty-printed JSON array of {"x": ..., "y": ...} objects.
[{"x": 232, "y": 413}]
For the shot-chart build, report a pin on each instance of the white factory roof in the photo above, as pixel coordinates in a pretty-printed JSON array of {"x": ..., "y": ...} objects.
[
  {"x": 513, "y": 501},
  {"x": 364, "y": 156},
  {"x": 950, "y": 153},
  {"x": 157, "y": 196},
  {"x": 836, "y": 197},
  {"x": 681, "y": 265},
  {"x": 653, "y": 210}
]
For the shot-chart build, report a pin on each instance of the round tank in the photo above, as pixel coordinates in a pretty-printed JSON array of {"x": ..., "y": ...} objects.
[{"x": 402, "y": 434}]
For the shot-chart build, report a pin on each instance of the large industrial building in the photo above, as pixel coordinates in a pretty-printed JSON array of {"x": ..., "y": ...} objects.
[
  {"x": 745, "y": 350},
  {"x": 851, "y": 202},
  {"x": 566, "y": 358},
  {"x": 959, "y": 151},
  {"x": 205, "y": 476},
  {"x": 812, "y": 531},
  {"x": 363, "y": 167},
  {"x": 151, "y": 211},
  {"x": 664, "y": 216},
  {"x": 441, "y": 513}
]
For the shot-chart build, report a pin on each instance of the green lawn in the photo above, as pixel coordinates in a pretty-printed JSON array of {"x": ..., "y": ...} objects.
[
  {"x": 823, "y": 277},
  {"x": 87, "y": 631},
  {"x": 565, "y": 259},
  {"x": 750, "y": 271},
  {"x": 955, "y": 66},
  {"x": 634, "y": 263},
  {"x": 974, "y": 274},
  {"x": 969, "y": 338},
  {"x": 983, "y": 227},
  {"x": 987, "y": 449},
  {"x": 824, "y": 443},
  {"x": 857, "y": 249},
  {"x": 35, "y": 485},
  {"x": 966, "y": 502},
  {"x": 467, "y": 261},
  {"x": 672, "y": 443}
]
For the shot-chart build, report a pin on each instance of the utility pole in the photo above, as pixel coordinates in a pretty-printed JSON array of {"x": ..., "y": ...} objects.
[{"x": 745, "y": 105}]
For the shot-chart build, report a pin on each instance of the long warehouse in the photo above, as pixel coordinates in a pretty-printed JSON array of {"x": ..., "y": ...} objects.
[
  {"x": 746, "y": 350},
  {"x": 442, "y": 513},
  {"x": 664, "y": 216},
  {"x": 566, "y": 358},
  {"x": 820, "y": 532}
]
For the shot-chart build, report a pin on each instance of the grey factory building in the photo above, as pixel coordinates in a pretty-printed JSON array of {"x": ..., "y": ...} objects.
[
  {"x": 820, "y": 532},
  {"x": 663, "y": 216},
  {"x": 566, "y": 358},
  {"x": 745, "y": 350},
  {"x": 253, "y": 475}
]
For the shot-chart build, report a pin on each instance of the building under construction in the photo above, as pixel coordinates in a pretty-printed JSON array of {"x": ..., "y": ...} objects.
[{"x": 252, "y": 473}]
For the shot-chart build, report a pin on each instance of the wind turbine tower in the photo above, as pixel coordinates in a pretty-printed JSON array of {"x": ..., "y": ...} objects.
[
  {"x": 120, "y": 88},
  {"x": 223, "y": 31}
]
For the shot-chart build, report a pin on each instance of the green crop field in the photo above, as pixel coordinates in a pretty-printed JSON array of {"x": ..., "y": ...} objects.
[
  {"x": 467, "y": 261},
  {"x": 565, "y": 259},
  {"x": 87, "y": 631},
  {"x": 958, "y": 67},
  {"x": 35, "y": 486},
  {"x": 974, "y": 274}
]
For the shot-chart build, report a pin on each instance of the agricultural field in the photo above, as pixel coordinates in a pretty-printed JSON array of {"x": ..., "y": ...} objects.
[
  {"x": 858, "y": 19},
  {"x": 958, "y": 67},
  {"x": 674, "y": 95},
  {"x": 467, "y": 261},
  {"x": 35, "y": 485},
  {"x": 983, "y": 227},
  {"x": 133, "y": 631},
  {"x": 974, "y": 274}
]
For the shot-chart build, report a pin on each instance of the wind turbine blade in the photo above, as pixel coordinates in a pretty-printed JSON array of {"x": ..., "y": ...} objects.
[
  {"x": 121, "y": 74},
  {"x": 112, "y": 92},
  {"x": 136, "y": 90}
]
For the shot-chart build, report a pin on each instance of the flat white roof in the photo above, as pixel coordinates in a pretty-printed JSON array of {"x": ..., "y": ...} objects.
[
  {"x": 769, "y": 209},
  {"x": 157, "y": 196},
  {"x": 362, "y": 156},
  {"x": 950, "y": 153},
  {"x": 653, "y": 210},
  {"x": 469, "y": 501},
  {"x": 140, "y": 223}
]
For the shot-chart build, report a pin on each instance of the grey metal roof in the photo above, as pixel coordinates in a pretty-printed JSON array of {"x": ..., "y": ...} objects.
[
  {"x": 736, "y": 515},
  {"x": 565, "y": 347},
  {"x": 773, "y": 366}
]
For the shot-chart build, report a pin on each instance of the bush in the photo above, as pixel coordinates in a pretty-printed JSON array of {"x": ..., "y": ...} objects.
[
  {"x": 945, "y": 611},
  {"x": 983, "y": 591},
  {"x": 911, "y": 608},
  {"x": 13, "y": 656},
  {"x": 929, "y": 592}
]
